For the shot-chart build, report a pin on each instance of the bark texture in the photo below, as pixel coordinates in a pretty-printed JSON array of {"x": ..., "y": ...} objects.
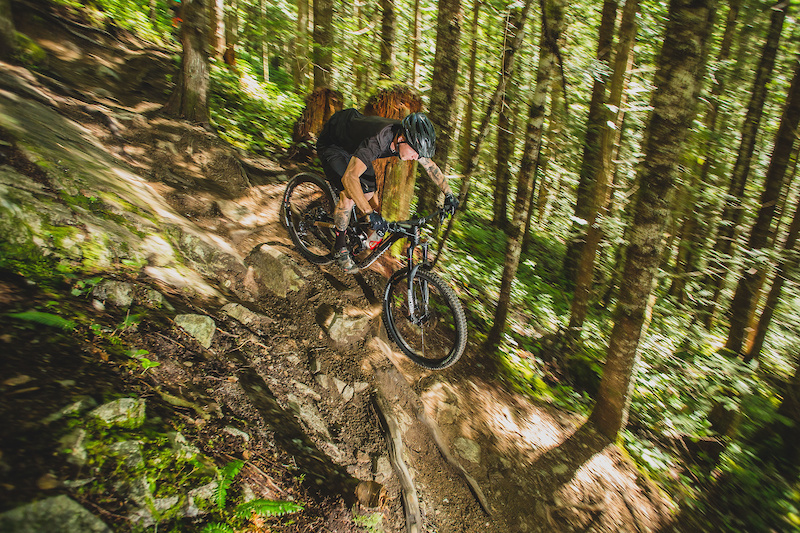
[
  {"x": 387, "y": 39},
  {"x": 602, "y": 166},
  {"x": 505, "y": 135},
  {"x": 681, "y": 67},
  {"x": 323, "y": 42},
  {"x": 443, "y": 93},
  {"x": 190, "y": 97}
]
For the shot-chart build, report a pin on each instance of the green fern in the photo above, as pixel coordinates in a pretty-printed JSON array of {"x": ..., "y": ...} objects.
[
  {"x": 45, "y": 319},
  {"x": 226, "y": 475},
  {"x": 267, "y": 508},
  {"x": 216, "y": 527}
]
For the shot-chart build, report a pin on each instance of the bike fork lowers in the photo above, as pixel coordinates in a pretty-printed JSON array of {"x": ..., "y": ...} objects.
[{"x": 415, "y": 318}]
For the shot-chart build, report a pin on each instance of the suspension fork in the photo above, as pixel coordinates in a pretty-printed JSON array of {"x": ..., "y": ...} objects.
[{"x": 424, "y": 291}]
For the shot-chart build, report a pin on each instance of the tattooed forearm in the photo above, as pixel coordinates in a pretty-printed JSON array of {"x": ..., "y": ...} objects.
[{"x": 435, "y": 174}]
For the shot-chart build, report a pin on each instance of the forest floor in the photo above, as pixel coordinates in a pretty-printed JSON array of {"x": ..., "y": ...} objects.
[{"x": 539, "y": 468}]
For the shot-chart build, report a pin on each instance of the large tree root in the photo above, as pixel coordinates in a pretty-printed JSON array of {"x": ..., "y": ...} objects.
[
  {"x": 384, "y": 408},
  {"x": 394, "y": 439}
]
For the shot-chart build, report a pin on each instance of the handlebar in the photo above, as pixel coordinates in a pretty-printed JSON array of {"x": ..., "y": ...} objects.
[{"x": 401, "y": 226}]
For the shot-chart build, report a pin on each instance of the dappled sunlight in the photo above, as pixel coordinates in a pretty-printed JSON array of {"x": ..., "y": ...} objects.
[{"x": 185, "y": 279}]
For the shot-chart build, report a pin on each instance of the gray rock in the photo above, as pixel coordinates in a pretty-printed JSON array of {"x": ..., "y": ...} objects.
[
  {"x": 278, "y": 272},
  {"x": 200, "y": 327},
  {"x": 77, "y": 406},
  {"x": 58, "y": 514},
  {"x": 117, "y": 293},
  {"x": 73, "y": 445},
  {"x": 345, "y": 329},
  {"x": 182, "y": 448},
  {"x": 235, "y": 432},
  {"x": 308, "y": 414},
  {"x": 248, "y": 318},
  {"x": 468, "y": 449},
  {"x": 125, "y": 412},
  {"x": 130, "y": 451}
]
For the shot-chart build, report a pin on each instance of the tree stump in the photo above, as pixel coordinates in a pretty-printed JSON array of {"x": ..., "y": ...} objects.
[
  {"x": 395, "y": 178},
  {"x": 321, "y": 104}
]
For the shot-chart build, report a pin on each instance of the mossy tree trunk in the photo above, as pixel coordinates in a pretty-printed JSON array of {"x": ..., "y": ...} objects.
[
  {"x": 678, "y": 79},
  {"x": 388, "y": 20},
  {"x": 505, "y": 131},
  {"x": 745, "y": 297}
]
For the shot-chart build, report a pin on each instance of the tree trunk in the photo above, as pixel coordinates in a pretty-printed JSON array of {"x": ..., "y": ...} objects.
[
  {"x": 189, "y": 99},
  {"x": 232, "y": 35},
  {"x": 395, "y": 178},
  {"x": 788, "y": 263},
  {"x": 483, "y": 131},
  {"x": 681, "y": 68},
  {"x": 301, "y": 47},
  {"x": 550, "y": 41},
  {"x": 8, "y": 38},
  {"x": 505, "y": 131},
  {"x": 323, "y": 42},
  {"x": 744, "y": 298},
  {"x": 584, "y": 200},
  {"x": 689, "y": 232},
  {"x": 611, "y": 122},
  {"x": 321, "y": 104},
  {"x": 443, "y": 93},
  {"x": 416, "y": 37},
  {"x": 216, "y": 26},
  {"x": 469, "y": 103},
  {"x": 733, "y": 210},
  {"x": 388, "y": 21}
]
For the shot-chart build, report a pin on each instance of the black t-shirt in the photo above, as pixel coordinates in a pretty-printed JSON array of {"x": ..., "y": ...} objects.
[{"x": 366, "y": 137}]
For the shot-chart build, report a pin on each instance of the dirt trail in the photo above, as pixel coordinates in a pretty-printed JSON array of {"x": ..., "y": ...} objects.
[{"x": 469, "y": 445}]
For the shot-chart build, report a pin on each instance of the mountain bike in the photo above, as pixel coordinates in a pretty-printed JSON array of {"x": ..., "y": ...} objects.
[{"x": 422, "y": 313}]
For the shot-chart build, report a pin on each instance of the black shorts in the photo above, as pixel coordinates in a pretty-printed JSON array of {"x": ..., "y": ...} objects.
[{"x": 334, "y": 163}]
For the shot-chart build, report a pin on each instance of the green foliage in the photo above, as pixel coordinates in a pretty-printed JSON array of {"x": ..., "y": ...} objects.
[
  {"x": 226, "y": 475},
  {"x": 267, "y": 508},
  {"x": 216, "y": 527},
  {"x": 373, "y": 523},
  {"x": 248, "y": 114},
  {"x": 83, "y": 287},
  {"x": 44, "y": 319}
]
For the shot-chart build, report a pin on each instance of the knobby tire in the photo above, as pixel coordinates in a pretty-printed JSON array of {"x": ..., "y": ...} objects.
[
  {"x": 439, "y": 337},
  {"x": 307, "y": 202}
]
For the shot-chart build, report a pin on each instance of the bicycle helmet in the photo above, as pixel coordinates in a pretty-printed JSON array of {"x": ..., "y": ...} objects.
[{"x": 419, "y": 133}]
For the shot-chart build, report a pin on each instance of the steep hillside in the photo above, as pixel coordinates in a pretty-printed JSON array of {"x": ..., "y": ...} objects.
[{"x": 163, "y": 343}]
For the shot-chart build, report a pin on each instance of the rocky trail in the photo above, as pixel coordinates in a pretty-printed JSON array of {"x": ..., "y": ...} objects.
[{"x": 232, "y": 345}]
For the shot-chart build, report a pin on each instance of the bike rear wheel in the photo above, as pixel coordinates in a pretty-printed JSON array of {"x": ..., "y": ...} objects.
[
  {"x": 435, "y": 334},
  {"x": 308, "y": 204}
]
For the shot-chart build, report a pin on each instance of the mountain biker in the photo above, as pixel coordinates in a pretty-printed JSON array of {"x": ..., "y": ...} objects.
[{"x": 347, "y": 146}]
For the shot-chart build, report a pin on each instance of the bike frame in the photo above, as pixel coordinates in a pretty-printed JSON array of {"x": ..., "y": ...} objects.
[{"x": 408, "y": 230}]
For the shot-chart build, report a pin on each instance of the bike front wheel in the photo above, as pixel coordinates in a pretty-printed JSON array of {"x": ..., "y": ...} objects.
[
  {"x": 427, "y": 322},
  {"x": 308, "y": 204}
]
